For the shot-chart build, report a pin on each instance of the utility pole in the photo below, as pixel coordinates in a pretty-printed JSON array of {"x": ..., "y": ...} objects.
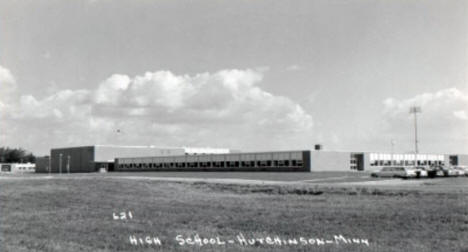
[
  {"x": 392, "y": 142},
  {"x": 415, "y": 110},
  {"x": 68, "y": 164},
  {"x": 60, "y": 163}
]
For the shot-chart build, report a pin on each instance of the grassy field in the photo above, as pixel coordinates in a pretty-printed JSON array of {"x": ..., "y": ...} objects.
[
  {"x": 76, "y": 213},
  {"x": 271, "y": 176}
]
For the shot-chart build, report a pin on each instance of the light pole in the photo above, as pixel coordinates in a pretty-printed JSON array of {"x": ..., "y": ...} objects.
[
  {"x": 415, "y": 110},
  {"x": 392, "y": 142},
  {"x": 60, "y": 162},
  {"x": 68, "y": 164}
]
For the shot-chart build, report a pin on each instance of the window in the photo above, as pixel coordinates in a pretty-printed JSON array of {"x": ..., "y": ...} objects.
[{"x": 234, "y": 164}]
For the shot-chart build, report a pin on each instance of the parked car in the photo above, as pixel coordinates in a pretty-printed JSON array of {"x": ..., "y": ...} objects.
[
  {"x": 461, "y": 170},
  {"x": 421, "y": 171},
  {"x": 453, "y": 172},
  {"x": 395, "y": 172},
  {"x": 432, "y": 172},
  {"x": 441, "y": 171}
]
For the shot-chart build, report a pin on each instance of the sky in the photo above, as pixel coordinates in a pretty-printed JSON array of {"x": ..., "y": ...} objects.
[{"x": 240, "y": 74}]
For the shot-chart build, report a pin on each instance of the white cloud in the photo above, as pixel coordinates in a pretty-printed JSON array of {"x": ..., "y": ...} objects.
[
  {"x": 6, "y": 76},
  {"x": 442, "y": 125},
  {"x": 460, "y": 114},
  {"x": 109, "y": 91},
  {"x": 8, "y": 89},
  {"x": 294, "y": 68},
  {"x": 7, "y": 84},
  {"x": 47, "y": 55},
  {"x": 226, "y": 108}
]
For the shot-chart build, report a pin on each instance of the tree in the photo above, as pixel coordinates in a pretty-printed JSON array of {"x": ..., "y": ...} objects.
[{"x": 15, "y": 155}]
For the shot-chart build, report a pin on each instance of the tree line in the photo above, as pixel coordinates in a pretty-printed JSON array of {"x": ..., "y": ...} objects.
[{"x": 16, "y": 155}]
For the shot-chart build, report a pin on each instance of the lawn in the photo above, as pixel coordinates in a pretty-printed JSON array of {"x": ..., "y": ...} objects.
[
  {"x": 270, "y": 176},
  {"x": 76, "y": 213}
]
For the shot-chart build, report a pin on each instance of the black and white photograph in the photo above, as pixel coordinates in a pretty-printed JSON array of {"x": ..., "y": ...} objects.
[{"x": 233, "y": 125}]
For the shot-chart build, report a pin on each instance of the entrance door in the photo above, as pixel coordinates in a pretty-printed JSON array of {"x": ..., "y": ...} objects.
[
  {"x": 357, "y": 161},
  {"x": 110, "y": 167},
  {"x": 453, "y": 160}
]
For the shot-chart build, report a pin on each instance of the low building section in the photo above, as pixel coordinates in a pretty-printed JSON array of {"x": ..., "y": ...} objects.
[
  {"x": 150, "y": 158},
  {"x": 101, "y": 157},
  {"x": 255, "y": 161},
  {"x": 73, "y": 159},
  {"x": 372, "y": 161},
  {"x": 375, "y": 161},
  {"x": 331, "y": 161},
  {"x": 457, "y": 159},
  {"x": 42, "y": 164},
  {"x": 17, "y": 167}
]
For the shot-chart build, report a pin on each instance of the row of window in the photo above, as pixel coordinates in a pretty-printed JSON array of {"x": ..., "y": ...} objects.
[
  {"x": 25, "y": 168},
  {"x": 219, "y": 164},
  {"x": 389, "y": 156},
  {"x": 405, "y": 162},
  {"x": 295, "y": 155}
]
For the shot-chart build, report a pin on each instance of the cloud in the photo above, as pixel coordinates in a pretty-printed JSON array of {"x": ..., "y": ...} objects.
[
  {"x": 222, "y": 109},
  {"x": 8, "y": 88},
  {"x": 227, "y": 108},
  {"x": 460, "y": 114},
  {"x": 294, "y": 68},
  {"x": 6, "y": 76},
  {"x": 46, "y": 55},
  {"x": 7, "y": 83},
  {"x": 442, "y": 124},
  {"x": 92, "y": 2}
]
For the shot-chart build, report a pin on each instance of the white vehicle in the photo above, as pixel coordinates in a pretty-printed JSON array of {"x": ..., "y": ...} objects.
[
  {"x": 395, "y": 172},
  {"x": 461, "y": 170},
  {"x": 421, "y": 171},
  {"x": 452, "y": 172}
]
